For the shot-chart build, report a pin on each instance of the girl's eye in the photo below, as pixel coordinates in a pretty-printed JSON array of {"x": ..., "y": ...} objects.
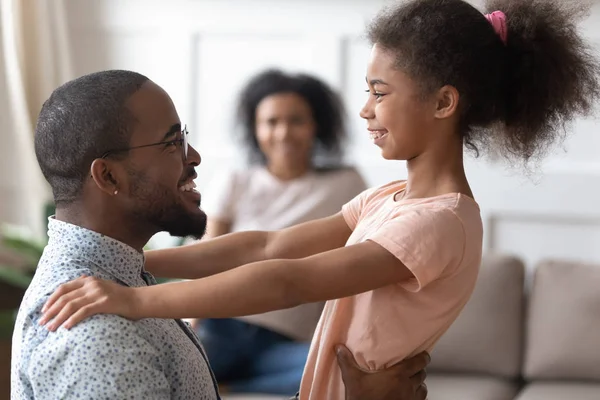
[{"x": 376, "y": 94}]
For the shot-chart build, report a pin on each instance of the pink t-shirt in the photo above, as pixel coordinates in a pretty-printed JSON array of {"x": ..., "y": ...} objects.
[{"x": 440, "y": 240}]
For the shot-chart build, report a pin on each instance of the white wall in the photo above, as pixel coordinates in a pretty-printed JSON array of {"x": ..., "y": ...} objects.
[{"x": 201, "y": 51}]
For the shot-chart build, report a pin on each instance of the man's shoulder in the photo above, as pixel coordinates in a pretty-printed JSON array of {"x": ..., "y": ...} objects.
[
  {"x": 51, "y": 273},
  {"x": 107, "y": 349},
  {"x": 96, "y": 331},
  {"x": 95, "y": 337}
]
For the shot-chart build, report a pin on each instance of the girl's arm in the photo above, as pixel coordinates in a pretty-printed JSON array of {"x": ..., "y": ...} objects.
[
  {"x": 214, "y": 228},
  {"x": 252, "y": 289},
  {"x": 209, "y": 257}
]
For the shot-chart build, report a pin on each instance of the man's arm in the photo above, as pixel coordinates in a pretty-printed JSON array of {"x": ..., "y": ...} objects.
[
  {"x": 213, "y": 256},
  {"x": 104, "y": 359}
]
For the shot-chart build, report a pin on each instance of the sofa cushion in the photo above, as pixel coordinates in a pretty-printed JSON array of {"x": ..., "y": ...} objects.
[
  {"x": 563, "y": 327},
  {"x": 560, "y": 391},
  {"x": 487, "y": 336},
  {"x": 469, "y": 387}
]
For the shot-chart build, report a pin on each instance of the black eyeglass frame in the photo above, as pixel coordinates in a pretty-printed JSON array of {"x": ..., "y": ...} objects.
[{"x": 181, "y": 141}]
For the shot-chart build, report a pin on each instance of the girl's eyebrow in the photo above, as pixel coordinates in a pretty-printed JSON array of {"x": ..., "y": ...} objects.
[{"x": 374, "y": 82}]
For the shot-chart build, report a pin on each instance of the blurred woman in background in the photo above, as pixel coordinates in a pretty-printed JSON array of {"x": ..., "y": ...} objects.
[{"x": 294, "y": 131}]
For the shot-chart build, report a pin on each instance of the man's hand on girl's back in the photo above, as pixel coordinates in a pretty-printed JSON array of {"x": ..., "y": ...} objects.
[{"x": 402, "y": 381}]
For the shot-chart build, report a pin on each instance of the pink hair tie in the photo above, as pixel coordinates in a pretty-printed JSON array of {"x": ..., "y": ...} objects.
[{"x": 498, "y": 21}]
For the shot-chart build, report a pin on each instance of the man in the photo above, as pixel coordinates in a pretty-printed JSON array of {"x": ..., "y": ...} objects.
[{"x": 114, "y": 151}]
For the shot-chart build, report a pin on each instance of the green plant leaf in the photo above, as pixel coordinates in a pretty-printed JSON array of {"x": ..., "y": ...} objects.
[
  {"x": 19, "y": 240},
  {"x": 15, "y": 277},
  {"x": 7, "y": 323},
  {"x": 32, "y": 252}
]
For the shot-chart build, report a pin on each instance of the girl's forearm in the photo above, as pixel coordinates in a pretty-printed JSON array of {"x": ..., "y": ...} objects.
[
  {"x": 251, "y": 289},
  {"x": 207, "y": 257},
  {"x": 273, "y": 285}
]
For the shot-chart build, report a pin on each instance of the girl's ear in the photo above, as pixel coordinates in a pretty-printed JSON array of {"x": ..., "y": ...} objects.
[{"x": 447, "y": 102}]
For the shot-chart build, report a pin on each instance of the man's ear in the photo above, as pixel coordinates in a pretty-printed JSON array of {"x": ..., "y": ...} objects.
[
  {"x": 447, "y": 102},
  {"x": 105, "y": 176}
]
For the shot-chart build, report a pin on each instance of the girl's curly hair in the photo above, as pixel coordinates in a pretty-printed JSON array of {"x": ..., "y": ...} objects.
[{"x": 516, "y": 98}]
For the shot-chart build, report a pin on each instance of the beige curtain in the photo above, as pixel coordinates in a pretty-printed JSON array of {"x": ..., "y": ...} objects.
[{"x": 34, "y": 59}]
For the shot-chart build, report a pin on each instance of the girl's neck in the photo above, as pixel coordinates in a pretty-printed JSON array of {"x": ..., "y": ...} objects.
[{"x": 436, "y": 172}]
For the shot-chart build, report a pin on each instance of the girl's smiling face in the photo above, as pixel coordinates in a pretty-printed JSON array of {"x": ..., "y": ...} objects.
[{"x": 400, "y": 120}]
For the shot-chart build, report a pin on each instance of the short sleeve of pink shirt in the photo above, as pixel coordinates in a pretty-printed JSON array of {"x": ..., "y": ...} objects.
[
  {"x": 351, "y": 211},
  {"x": 426, "y": 241},
  {"x": 427, "y": 237}
]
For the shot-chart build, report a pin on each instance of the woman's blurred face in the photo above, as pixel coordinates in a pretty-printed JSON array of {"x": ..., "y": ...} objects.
[{"x": 285, "y": 130}]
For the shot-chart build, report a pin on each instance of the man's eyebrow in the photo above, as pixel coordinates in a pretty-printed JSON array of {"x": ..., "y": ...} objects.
[{"x": 172, "y": 131}]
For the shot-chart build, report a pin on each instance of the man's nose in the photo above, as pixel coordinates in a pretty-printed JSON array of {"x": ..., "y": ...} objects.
[{"x": 193, "y": 157}]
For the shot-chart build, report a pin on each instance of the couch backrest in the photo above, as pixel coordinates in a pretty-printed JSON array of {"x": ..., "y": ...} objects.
[
  {"x": 563, "y": 324},
  {"x": 487, "y": 337}
]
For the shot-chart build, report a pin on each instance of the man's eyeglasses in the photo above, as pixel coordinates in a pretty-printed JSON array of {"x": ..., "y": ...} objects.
[{"x": 182, "y": 141}]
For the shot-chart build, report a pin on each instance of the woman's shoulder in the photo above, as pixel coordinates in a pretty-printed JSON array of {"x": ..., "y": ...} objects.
[
  {"x": 344, "y": 174},
  {"x": 231, "y": 182},
  {"x": 227, "y": 188},
  {"x": 335, "y": 170}
]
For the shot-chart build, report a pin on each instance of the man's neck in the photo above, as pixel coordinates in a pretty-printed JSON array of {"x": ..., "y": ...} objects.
[{"x": 112, "y": 226}]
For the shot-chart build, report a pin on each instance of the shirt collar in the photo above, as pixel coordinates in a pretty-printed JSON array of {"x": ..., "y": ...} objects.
[{"x": 114, "y": 257}]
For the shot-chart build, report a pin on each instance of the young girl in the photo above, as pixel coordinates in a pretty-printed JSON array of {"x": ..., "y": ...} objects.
[{"x": 399, "y": 261}]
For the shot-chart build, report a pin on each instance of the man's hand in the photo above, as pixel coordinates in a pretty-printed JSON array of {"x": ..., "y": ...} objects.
[{"x": 402, "y": 381}]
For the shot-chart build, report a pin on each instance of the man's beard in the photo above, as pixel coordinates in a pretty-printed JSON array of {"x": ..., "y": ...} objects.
[{"x": 156, "y": 205}]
